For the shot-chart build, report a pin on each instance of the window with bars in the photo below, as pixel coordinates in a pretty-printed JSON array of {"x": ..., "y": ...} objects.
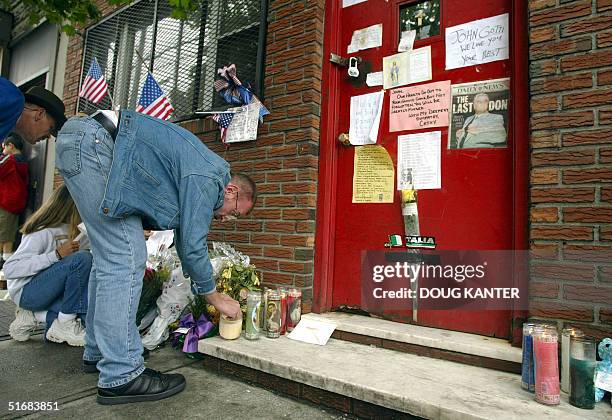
[{"x": 182, "y": 55}]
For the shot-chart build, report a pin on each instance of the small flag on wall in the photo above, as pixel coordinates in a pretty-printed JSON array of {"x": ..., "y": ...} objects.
[
  {"x": 224, "y": 120},
  {"x": 94, "y": 86},
  {"x": 153, "y": 101}
]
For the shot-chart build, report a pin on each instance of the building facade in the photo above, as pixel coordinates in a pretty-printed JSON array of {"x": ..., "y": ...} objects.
[{"x": 558, "y": 194}]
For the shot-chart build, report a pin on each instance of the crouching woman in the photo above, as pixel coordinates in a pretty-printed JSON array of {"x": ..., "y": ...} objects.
[{"x": 47, "y": 276}]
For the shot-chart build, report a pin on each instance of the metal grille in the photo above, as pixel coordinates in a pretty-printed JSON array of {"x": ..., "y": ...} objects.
[{"x": 182, "y": 55}]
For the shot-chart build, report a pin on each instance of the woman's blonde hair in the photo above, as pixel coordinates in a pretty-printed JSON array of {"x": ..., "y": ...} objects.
[{"x": 57, "y": 210}]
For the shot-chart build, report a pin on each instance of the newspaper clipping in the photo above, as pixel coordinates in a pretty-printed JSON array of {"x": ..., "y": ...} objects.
[{"x": 479, "y": 115}]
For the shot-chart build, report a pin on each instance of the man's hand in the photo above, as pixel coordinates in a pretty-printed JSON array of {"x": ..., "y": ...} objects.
[
  {"x": 68, "y": 248},
  {"x": 224, "y": 304}
]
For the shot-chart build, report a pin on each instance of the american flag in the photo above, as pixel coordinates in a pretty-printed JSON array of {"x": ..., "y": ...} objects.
[
  {"x": 152, "y": 101},
  {"x": 224, "y": 120},
  {"x": 94, "y": 86}
]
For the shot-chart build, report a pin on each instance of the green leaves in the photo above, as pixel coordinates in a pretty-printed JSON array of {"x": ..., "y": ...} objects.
[{"x": 72, "y": 14}]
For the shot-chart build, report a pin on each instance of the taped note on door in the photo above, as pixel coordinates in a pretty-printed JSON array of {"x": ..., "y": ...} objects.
[
  {"x": 419, "y": 156},
  {"x": 365, "y": 118},
  {"x": 419, "y": 107},
  {"x": 370, "y": 37},
  {"x": 478, "y": 42},
  {"x": 373, "y": 175}
]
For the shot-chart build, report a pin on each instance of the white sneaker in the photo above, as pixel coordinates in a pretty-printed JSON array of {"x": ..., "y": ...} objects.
[
  {"x": 71, "y": 332},
  {"x": 23, "y": 325}
]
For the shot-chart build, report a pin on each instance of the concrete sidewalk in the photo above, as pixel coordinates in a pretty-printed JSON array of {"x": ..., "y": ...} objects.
[{"x": 38, "y": 371}]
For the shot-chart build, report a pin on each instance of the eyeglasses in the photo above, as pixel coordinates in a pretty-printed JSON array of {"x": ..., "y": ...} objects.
[{"x": 234, "y": 214}]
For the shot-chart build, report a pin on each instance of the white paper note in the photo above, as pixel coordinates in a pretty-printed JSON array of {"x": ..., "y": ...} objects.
[
  {"x": 374, "y": 79},
  {"x": 420, "y": 65},
  {"x": 478, "y": 42},
  {"x": 347, "y": 3},
  {"x": 370, "y": 37},
  {"x": 419, "y": 155},
  {"x": 406, "y": 41},
  {"x": 365, "y": 118},
  {"x": 312, "y": 331}
]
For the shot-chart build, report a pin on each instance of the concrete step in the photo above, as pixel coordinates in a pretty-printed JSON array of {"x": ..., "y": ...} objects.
[
  {"x": 454, "y": 341},
  {"x": 421, "y": 386}
]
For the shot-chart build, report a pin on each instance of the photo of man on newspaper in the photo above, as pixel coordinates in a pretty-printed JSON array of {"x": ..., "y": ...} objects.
[{"x": 479, "y": 115}]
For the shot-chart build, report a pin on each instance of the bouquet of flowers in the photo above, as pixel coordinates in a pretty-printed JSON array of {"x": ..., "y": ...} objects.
[
  {"x": 151, "y": 289},
  {"x": 235, "y": 276},
  {"x": 160, "y": 262}
]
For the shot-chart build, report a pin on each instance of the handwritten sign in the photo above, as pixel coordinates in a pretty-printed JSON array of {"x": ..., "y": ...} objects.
[
  {"x": 365, "y": 118},
  {"x": 418, "y": 107},
  {"x": 478, "y": 42}
]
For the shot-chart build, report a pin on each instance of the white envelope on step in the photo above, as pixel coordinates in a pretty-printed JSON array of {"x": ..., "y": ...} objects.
[{"x": 312, "y": 331}]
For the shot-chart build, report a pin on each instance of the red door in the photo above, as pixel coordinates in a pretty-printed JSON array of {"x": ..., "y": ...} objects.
[{"x": 476, "y": 205}]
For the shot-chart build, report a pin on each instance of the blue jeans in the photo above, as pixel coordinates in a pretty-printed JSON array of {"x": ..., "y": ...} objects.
[
  {"x": 84, "y": 153},
  {"x": 60, "y": 287}
]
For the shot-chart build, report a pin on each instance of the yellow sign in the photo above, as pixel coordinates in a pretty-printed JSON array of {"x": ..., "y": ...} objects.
[{"x": 373, "y": 175}]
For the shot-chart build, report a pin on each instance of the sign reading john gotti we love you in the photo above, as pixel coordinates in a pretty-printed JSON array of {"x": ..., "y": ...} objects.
[
  {"x": 478, "y": 42},
  {"x": 418, "y": 107}
]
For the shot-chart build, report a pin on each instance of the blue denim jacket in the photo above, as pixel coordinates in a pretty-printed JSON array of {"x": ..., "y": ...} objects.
[{"x": 166, "y": 175}]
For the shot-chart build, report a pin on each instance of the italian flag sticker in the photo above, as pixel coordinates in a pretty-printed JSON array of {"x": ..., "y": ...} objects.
[{"x": 395, "y": 240}]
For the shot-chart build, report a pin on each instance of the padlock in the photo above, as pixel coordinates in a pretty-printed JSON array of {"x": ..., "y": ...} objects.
[{"x": 353, "y": 71}]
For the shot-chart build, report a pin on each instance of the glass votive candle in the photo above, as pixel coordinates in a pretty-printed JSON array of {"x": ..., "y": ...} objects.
[
  {"x": 229, "y": 328},
  {"x": 546, "y": 360},
  {"x": 565, "y": 356},
  {"x": 527, "y": 373},
  {"x": 582, "y": 372}
]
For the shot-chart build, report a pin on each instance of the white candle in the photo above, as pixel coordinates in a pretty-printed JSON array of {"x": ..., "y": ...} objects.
[
  {"x": 565, "y": 356},
  {"x": 230, "y": 329}
]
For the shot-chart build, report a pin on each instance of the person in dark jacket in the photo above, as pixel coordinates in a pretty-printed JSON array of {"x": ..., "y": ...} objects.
[
  {"x": 14, "y": 180},
  {"x": 35, "y": 115}
]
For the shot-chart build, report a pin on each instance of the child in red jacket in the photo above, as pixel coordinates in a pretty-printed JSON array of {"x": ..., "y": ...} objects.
[{"x": 14, "y": 181}]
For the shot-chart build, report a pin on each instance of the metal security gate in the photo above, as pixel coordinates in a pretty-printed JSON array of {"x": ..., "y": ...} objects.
[{"x": 182, "y": 55}]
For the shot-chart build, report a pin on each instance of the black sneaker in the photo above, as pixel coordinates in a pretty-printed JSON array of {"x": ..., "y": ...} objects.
[
  {"x": 151, "y": 385},
  {"x": 91, "y": 367}
]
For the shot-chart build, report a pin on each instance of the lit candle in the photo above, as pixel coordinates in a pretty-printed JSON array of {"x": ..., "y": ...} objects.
[
  {"x": 565, "y": 356},
  {"x": 545, "y": 348}
]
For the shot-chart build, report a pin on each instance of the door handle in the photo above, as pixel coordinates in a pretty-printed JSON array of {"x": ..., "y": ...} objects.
[{"x": 344, "y": 139}]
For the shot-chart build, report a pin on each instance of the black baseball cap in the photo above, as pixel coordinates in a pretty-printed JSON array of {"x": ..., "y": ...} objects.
[{"x": 50, "y": 102}]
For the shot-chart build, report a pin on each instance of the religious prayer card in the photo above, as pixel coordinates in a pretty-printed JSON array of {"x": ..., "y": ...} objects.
[
  {"x": 419, "y": 155},
  {"x": 478, "y": 42},
  {"x": 407, "y": 68},
  {"x": 365, "y": 118}
]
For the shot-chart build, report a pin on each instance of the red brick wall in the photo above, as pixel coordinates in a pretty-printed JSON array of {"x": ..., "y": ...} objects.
[
  {"x": 279, "y": 234},
  {"x": 571, "y": 163}
]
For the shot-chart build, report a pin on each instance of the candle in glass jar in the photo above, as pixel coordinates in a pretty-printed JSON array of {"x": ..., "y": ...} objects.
[
  {"x": 527, "y": 373},
  {"x": 582, "y": 372},
  {"x": 229, "y": 328},
  {"x": 565, "y": 356},
  {"x": 545, "y": 348}
]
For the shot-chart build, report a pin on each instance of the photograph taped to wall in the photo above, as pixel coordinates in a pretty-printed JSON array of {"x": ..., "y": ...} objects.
[{"x": 479, "y": 114}]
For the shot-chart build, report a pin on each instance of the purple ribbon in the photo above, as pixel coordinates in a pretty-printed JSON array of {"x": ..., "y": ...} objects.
[{"x": 197, "y": 330}]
